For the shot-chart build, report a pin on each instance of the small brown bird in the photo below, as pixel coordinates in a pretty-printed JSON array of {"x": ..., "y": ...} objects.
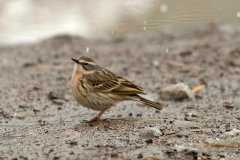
[{"x": 99, "y": 89}]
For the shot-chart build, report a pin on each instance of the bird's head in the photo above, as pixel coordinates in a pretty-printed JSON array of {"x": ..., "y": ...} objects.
[{"x": 85, "y": 64}]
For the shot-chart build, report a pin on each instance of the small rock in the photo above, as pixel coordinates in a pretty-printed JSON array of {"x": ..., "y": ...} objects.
[
  {"x": 233, "y": 58},
  {"x": 28, "y": 64},
  {"x": 186, "y": 53},
  {"x": 72, "y": 143},
  {"x": 114, "y": 155},
  {"x": 36, "y": 88},
  {"x": 233, "y": 132},
  {"x": 140, "y": 156},
  {"x": 119, "y": 115},
  {"x": 56, "y": 98},
  {"x": 151, "y": 132},
  {"x": 178, "y": 91},
  {"x": 157, "y": 111},
  {"x": 190, "y": 116},
  {"x": 149, "y": 141},
  {"x": 139, "y": 114},
  {"x": 24, "y": 107},
  {"x": 59, "y": 108},
  {"x": 56, "y": 158},
  {"x": 156, "y": 63},
  {"x": 20, "y": 115},
  {"x": 23, "y": 158},
  {"x": 35, "y": 111},
  {"x": 228, "y": 105},
  {"x": 228, "y": 127},
  {"x": 181, "y": 148},
  {"x": 71, "y": 153},
  {"x": 188, "y": 151},
  {"x": 5, "y": 114},
  {"x": 42, "y": 122},
  {"x": 193, "y": 154},
  {"x": 58, "y": 102},
  {"x": 151, "y": 158},
  {"x": 52, "y": 96}
]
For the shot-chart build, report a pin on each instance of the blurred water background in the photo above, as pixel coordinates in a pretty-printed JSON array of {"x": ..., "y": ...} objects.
[{"x": 24, "y": 21}]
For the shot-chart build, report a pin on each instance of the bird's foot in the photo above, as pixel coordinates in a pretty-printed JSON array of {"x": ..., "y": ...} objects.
[{"x": 97, "y": 117}]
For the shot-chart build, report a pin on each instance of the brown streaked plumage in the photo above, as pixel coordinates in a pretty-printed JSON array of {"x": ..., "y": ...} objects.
[{"x": 97, "y": 88}]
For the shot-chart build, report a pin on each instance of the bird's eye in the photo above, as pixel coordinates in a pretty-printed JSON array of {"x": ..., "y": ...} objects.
[
  {"x": 84, "y": 63},
  {"x": 88, "y": 66}
]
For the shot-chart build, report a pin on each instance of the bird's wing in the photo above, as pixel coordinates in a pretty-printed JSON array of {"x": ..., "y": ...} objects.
[{"x": 105, "y": 81}]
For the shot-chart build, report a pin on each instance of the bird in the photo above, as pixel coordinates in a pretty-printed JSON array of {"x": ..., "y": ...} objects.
[{"x": 97, "y": 88}]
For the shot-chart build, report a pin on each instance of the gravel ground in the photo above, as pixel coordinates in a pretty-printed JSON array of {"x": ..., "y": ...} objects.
[{"x": 39, "y": 118}]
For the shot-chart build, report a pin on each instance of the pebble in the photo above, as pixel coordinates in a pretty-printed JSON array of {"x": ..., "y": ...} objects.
[
  {"x": 190, "y": 116},
  {"x": 151, "y": 158},
  {"x": 20, "y": 115},
  {"x": 56, "y": 98},
  {"x": 139, "y": 115},
  {"x": 140, "y": 156},
  {"x": 24, "y": 107},
  {"x": 186, "y": 53},
  {"x": 233, "y": 132},
  {"x": 149, "y": 141},
  {"x": 52, "y": 95},
  {"x": 151, "y": 132},
  {"x": 42, "y": 122},
  {"x": 72, "y": 142},
  {"x": 4, "y": 114},
  {"x": 114, "y": 155},
  {"x": 176, "y": 92},
  {"x": 35, "y": 111},
  {"x": 233, "y": 58},
  {"x": 119, "y": 115},
  {"x": 156, "y": 63},
  {"x": 58, "y": 102},
  {"x": 130, "y": 114},
  {"x": 228, "y": 105}
]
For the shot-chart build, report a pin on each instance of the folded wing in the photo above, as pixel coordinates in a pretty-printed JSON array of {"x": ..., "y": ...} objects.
[{"x": 105, "y": 81}]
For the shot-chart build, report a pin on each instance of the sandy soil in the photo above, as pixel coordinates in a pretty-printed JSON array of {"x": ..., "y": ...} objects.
[{"x": 39, "y": 118}]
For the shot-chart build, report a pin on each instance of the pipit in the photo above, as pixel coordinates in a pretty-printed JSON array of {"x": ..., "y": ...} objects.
[{"x": 99, "y": 89}]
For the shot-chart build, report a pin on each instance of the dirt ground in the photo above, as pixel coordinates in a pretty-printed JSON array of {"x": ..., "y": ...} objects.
[{"x": 39, "y": 119}]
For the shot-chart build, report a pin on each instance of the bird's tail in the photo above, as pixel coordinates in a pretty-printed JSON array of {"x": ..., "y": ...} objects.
[{"x": 156, "y": 105}]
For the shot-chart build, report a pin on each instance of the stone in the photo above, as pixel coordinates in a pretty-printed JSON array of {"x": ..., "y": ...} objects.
[
  {"x": 176, "y": 92},
  {"x": 151, "y": 132}
]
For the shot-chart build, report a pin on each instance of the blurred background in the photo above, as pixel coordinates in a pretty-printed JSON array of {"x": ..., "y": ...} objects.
[{"x": 23, "y": 21}]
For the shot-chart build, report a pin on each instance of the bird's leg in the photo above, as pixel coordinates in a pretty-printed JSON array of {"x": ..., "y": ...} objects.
[{"x": 97, "y": 117}]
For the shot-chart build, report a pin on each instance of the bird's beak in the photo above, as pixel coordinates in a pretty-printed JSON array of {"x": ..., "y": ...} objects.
[{"x": 75, "y": 60}]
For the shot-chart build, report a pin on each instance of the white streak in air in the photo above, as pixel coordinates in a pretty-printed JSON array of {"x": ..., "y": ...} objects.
[
  {"x": 163, "y": 8},
  {"x": 167, "y": 50},
  {"x": 156, "y": 63},
  {"x": 87, "y": 49},
  {"x": 238, "y": 14}
]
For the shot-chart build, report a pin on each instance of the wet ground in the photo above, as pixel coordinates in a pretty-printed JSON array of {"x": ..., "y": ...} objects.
[{"x": 39, "y": 118}]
